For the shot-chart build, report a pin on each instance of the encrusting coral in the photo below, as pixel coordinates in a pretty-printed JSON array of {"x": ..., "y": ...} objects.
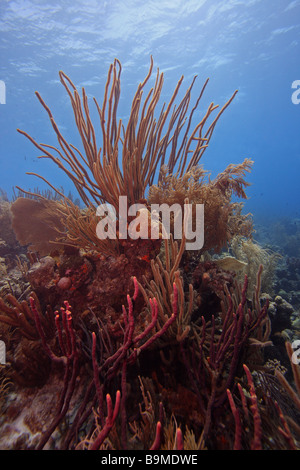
[{"x": 141, "y": 344}]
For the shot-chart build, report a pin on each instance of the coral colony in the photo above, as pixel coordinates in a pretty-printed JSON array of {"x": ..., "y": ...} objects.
[{"x": 126, "y": 324}]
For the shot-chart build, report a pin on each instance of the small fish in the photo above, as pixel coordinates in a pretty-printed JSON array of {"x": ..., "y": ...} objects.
[{"x": 145, "y": 258}]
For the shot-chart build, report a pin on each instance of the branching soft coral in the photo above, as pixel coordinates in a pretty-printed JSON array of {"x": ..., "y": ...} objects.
[
  {"x": 216, "y": 195},
  {"x": 128, "y": 164}
]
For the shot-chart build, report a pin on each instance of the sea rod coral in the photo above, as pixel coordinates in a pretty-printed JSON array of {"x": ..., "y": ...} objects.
[{"x": 130, "y": 160}]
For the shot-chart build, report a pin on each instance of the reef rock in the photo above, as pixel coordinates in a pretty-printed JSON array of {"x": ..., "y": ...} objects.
[
  {"x": 280, "y": 312},
  {"x": 41, "y": 273}
]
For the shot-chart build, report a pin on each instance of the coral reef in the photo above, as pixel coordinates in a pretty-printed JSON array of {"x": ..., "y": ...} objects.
[
  {"x": 141, "y": 344},
  {"x": 283, "y": 236}
]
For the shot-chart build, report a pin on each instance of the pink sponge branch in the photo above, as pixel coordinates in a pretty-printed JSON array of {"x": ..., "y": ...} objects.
[
  {"x": 38, "y": 324},
  {"x": 256, "y": 443},
  {"x": 157, "y": 440},
  {"x": 179, "y": 440},
  {"x": 237, "y": 420},
  {"x": 112, "y": 413}
]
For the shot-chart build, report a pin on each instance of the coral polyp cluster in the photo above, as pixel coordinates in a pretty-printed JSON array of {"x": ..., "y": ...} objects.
[{"x": 139, "y": 344}]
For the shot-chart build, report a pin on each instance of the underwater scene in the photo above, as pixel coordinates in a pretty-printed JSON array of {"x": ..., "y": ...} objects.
[{"x": 149, "y": 225}]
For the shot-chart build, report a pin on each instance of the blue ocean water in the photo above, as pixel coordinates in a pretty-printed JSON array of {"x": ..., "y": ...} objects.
[{"x": 252, "y": 46}]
